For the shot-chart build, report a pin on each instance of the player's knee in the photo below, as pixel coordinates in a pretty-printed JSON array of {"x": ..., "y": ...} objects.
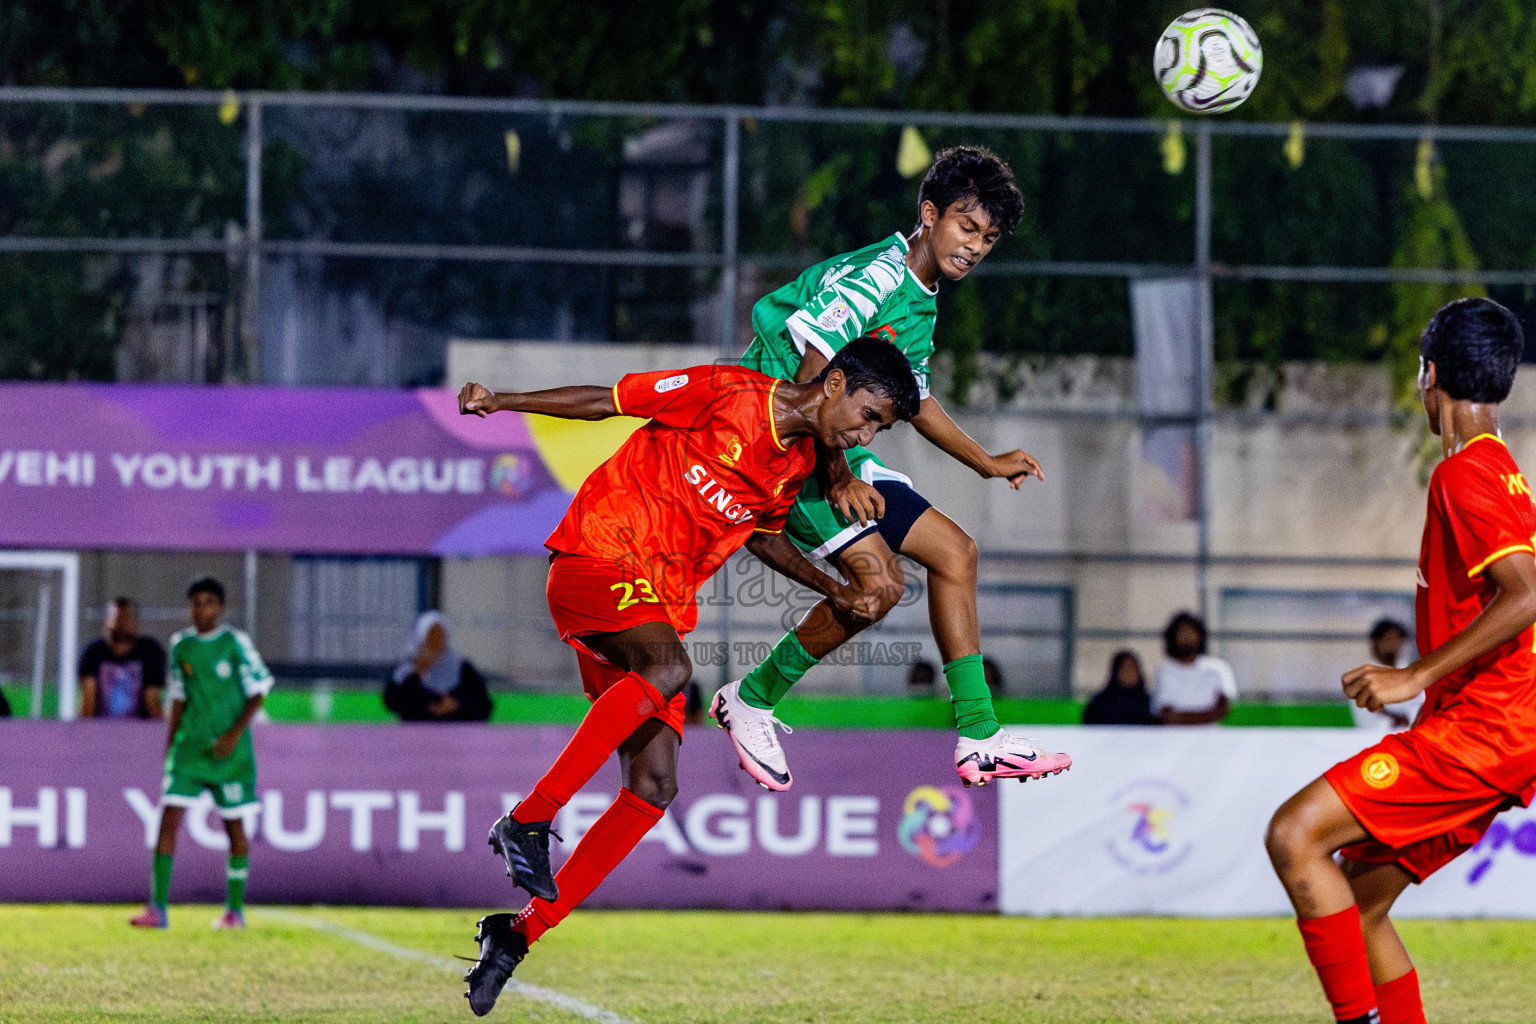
[
  {"x": 966, "y": 553},
  {"x": 889, "y": 594},
  {"x": 887, "y": 586},
  {"x": 657, "y": 788},
  {"x": 669, "y": 674},
  {"x": 1284, "y": 839}
]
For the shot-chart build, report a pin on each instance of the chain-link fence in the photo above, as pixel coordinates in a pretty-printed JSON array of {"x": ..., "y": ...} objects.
[{"x": 345, "y": 239}]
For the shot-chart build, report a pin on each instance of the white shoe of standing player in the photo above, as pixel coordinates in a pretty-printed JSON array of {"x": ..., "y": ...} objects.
[{"x": 752, "y": 732}]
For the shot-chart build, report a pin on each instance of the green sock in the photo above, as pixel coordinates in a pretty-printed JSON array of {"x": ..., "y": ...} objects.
[
  {"x": 968, "y": 692},
  {"x": 235, "y": 874},
  {"x": 161, "y": 892},
  {"x": 767, "y": 684}
]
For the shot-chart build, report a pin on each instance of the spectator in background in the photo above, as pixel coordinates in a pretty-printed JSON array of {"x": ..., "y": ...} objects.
[
  {"x": 922, "y": 678},
  {"x": 435, "y": 683},
  {"x": 1388, "y": 647},
  {"x": 1193, "y": 688},
  {"x": 122, "y": 675},
  {"x": 1124, "y": 699}
]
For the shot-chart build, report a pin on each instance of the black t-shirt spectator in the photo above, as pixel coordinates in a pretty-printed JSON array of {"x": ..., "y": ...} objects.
[
  {"x": 413, "y": 702},
  {"x": 121, "y": 681}
]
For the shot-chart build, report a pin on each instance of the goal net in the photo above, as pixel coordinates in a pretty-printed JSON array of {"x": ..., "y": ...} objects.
[{"x": 39, "y": 631}]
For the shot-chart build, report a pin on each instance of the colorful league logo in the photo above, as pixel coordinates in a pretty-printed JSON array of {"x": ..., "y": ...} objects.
[
  {"x": 938, "y": 825},
  {"x": 1145, "y": 836},
  {"x": 510, "y": 474}
]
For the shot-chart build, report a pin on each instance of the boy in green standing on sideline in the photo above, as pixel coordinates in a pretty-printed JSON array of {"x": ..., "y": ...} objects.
[{"x": 217, "y": 683}]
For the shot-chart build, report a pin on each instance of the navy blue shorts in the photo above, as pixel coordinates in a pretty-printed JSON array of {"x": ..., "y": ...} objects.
[{"x": 903, "y": 506}]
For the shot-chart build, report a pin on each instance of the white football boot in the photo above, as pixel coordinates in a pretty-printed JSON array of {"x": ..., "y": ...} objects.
[
  {"x": 752, "y": 732},
  {"x": 1003, "y": 756}
]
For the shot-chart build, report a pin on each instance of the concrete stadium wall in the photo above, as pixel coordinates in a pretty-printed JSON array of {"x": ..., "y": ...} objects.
[{"x": 1317, "y": 468}]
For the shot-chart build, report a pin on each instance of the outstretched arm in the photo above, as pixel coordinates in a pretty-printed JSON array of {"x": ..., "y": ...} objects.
[
  {"x": 934, "y": 423},
  {"x": 581, "y": 402},
  {"x": 1510, "y": 613},
  {"x": 779, "y": 553}
]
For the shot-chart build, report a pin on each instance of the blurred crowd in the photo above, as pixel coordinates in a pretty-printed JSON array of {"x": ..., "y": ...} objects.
[{"x": 123, "y": 672}]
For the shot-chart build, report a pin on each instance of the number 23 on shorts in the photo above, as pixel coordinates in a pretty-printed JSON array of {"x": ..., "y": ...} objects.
[{"x": 628, "y": 599}]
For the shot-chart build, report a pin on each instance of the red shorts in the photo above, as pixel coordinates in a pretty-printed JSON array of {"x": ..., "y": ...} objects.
[
  {"x": 1421, "y": 808},
  {"x": 586, "y": 596}
]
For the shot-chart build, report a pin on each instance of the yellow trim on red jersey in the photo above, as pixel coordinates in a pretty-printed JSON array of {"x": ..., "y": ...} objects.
[
  {"x": 761, "y": 530},
  {"x": 772, "y": 426},
  {"x": 1483, "y": 437},
  {"x": 616, "y": 406},
  {"x": 1485, "y": 563}
]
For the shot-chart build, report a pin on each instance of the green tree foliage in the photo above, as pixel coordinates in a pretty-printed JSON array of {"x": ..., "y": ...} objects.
[{"x": 811, "y": 191}]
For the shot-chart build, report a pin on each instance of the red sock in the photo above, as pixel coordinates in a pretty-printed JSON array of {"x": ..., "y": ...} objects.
[
  {"x": 608, "y": 841},
  {"x": 1399, "y": 1000},
  {"x": 1336, "y": 947},
  {"x": 610, "y": 721}
]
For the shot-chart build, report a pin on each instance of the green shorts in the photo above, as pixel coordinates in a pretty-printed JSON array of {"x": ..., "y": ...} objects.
[
  {"x": 820, "y": 529},
  {"x": 231, "y": 781}
]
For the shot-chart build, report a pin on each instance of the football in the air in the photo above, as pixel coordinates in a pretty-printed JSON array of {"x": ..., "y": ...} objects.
[{"x": 1208, "y": 60}]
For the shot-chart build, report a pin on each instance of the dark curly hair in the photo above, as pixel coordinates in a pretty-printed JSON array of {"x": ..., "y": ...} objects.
[
  {"x": 1475, "y": 345},
  {"x": 878, "y": 367},
  {"x": 975, "y": 176},
  {"x": 1172, "y": 631}
]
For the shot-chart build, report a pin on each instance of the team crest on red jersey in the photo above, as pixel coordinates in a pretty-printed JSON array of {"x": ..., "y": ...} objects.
[{"x": 732, "y": 453}]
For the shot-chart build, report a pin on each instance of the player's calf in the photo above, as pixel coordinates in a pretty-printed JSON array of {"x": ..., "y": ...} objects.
[{"x": 502, "y": 948}]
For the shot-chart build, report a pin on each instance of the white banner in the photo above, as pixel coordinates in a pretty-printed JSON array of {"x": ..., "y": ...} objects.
[{"x": 1171, "y": 821}]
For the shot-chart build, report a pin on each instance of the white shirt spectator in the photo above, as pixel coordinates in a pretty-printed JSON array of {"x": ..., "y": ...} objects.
[{"x": 1193, "y": 687}]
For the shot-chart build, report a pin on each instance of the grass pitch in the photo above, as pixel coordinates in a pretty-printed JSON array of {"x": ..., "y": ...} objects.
[{"x": 83, "y": 963}]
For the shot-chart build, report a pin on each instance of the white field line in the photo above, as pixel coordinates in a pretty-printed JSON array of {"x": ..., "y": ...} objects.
[{"x": 537, "y": 993}]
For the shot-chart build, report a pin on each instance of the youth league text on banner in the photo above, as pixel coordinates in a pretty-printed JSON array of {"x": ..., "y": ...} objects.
[
  {"x": 1171, "y": 821},
  {"x": 343, "y": 470},
  {"x": 398, "y": 815}
]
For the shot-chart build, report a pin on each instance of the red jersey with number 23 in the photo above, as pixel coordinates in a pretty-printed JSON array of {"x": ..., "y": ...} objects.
[
  {"x": 687, "y": 489},
  {"x": 1483, "y": 714}
]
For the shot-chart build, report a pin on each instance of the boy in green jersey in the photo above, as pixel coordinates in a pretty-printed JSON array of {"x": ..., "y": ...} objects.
[
  {"x": 861, "y": 511},
  {"x": 217, "y": 682}
]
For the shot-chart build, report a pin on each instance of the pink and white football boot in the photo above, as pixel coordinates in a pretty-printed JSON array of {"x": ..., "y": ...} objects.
[
  {"x": 1004, "y": 756},
  {"x": 752, "y": 732},
  {"x": 154, "y": 916}
]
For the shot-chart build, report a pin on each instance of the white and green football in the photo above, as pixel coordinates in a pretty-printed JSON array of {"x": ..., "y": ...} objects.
[{"x": 1208, "y": 60}]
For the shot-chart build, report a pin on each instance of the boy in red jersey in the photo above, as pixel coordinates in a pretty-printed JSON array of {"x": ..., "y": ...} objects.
[
  {"x": 1404, "y": 808},
  {"x": 719, "y": 465}
]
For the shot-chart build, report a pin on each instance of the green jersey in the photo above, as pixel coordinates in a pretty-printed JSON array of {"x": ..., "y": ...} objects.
[
  {"x": 215, "y": 674},
  {"x": 869, "y": 291}
]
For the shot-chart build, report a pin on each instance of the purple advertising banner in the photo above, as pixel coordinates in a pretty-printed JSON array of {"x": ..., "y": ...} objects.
[
  {"x": 398, "y": 815},
  {"x": 343, "y": 470}
]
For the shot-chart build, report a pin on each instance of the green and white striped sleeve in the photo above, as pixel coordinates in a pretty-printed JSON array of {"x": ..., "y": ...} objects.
[
  {"x": 848, "y": 302},
  {"x": 255, "y": 679}
]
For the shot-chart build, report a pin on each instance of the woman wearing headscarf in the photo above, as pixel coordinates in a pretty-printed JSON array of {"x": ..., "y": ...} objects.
[
  {"x": 1124, "y": 699},
  {"x": 435, "y": 683}
]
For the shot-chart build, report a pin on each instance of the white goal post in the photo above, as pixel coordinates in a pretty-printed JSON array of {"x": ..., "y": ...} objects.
[{"x": 67, "y": 564}]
